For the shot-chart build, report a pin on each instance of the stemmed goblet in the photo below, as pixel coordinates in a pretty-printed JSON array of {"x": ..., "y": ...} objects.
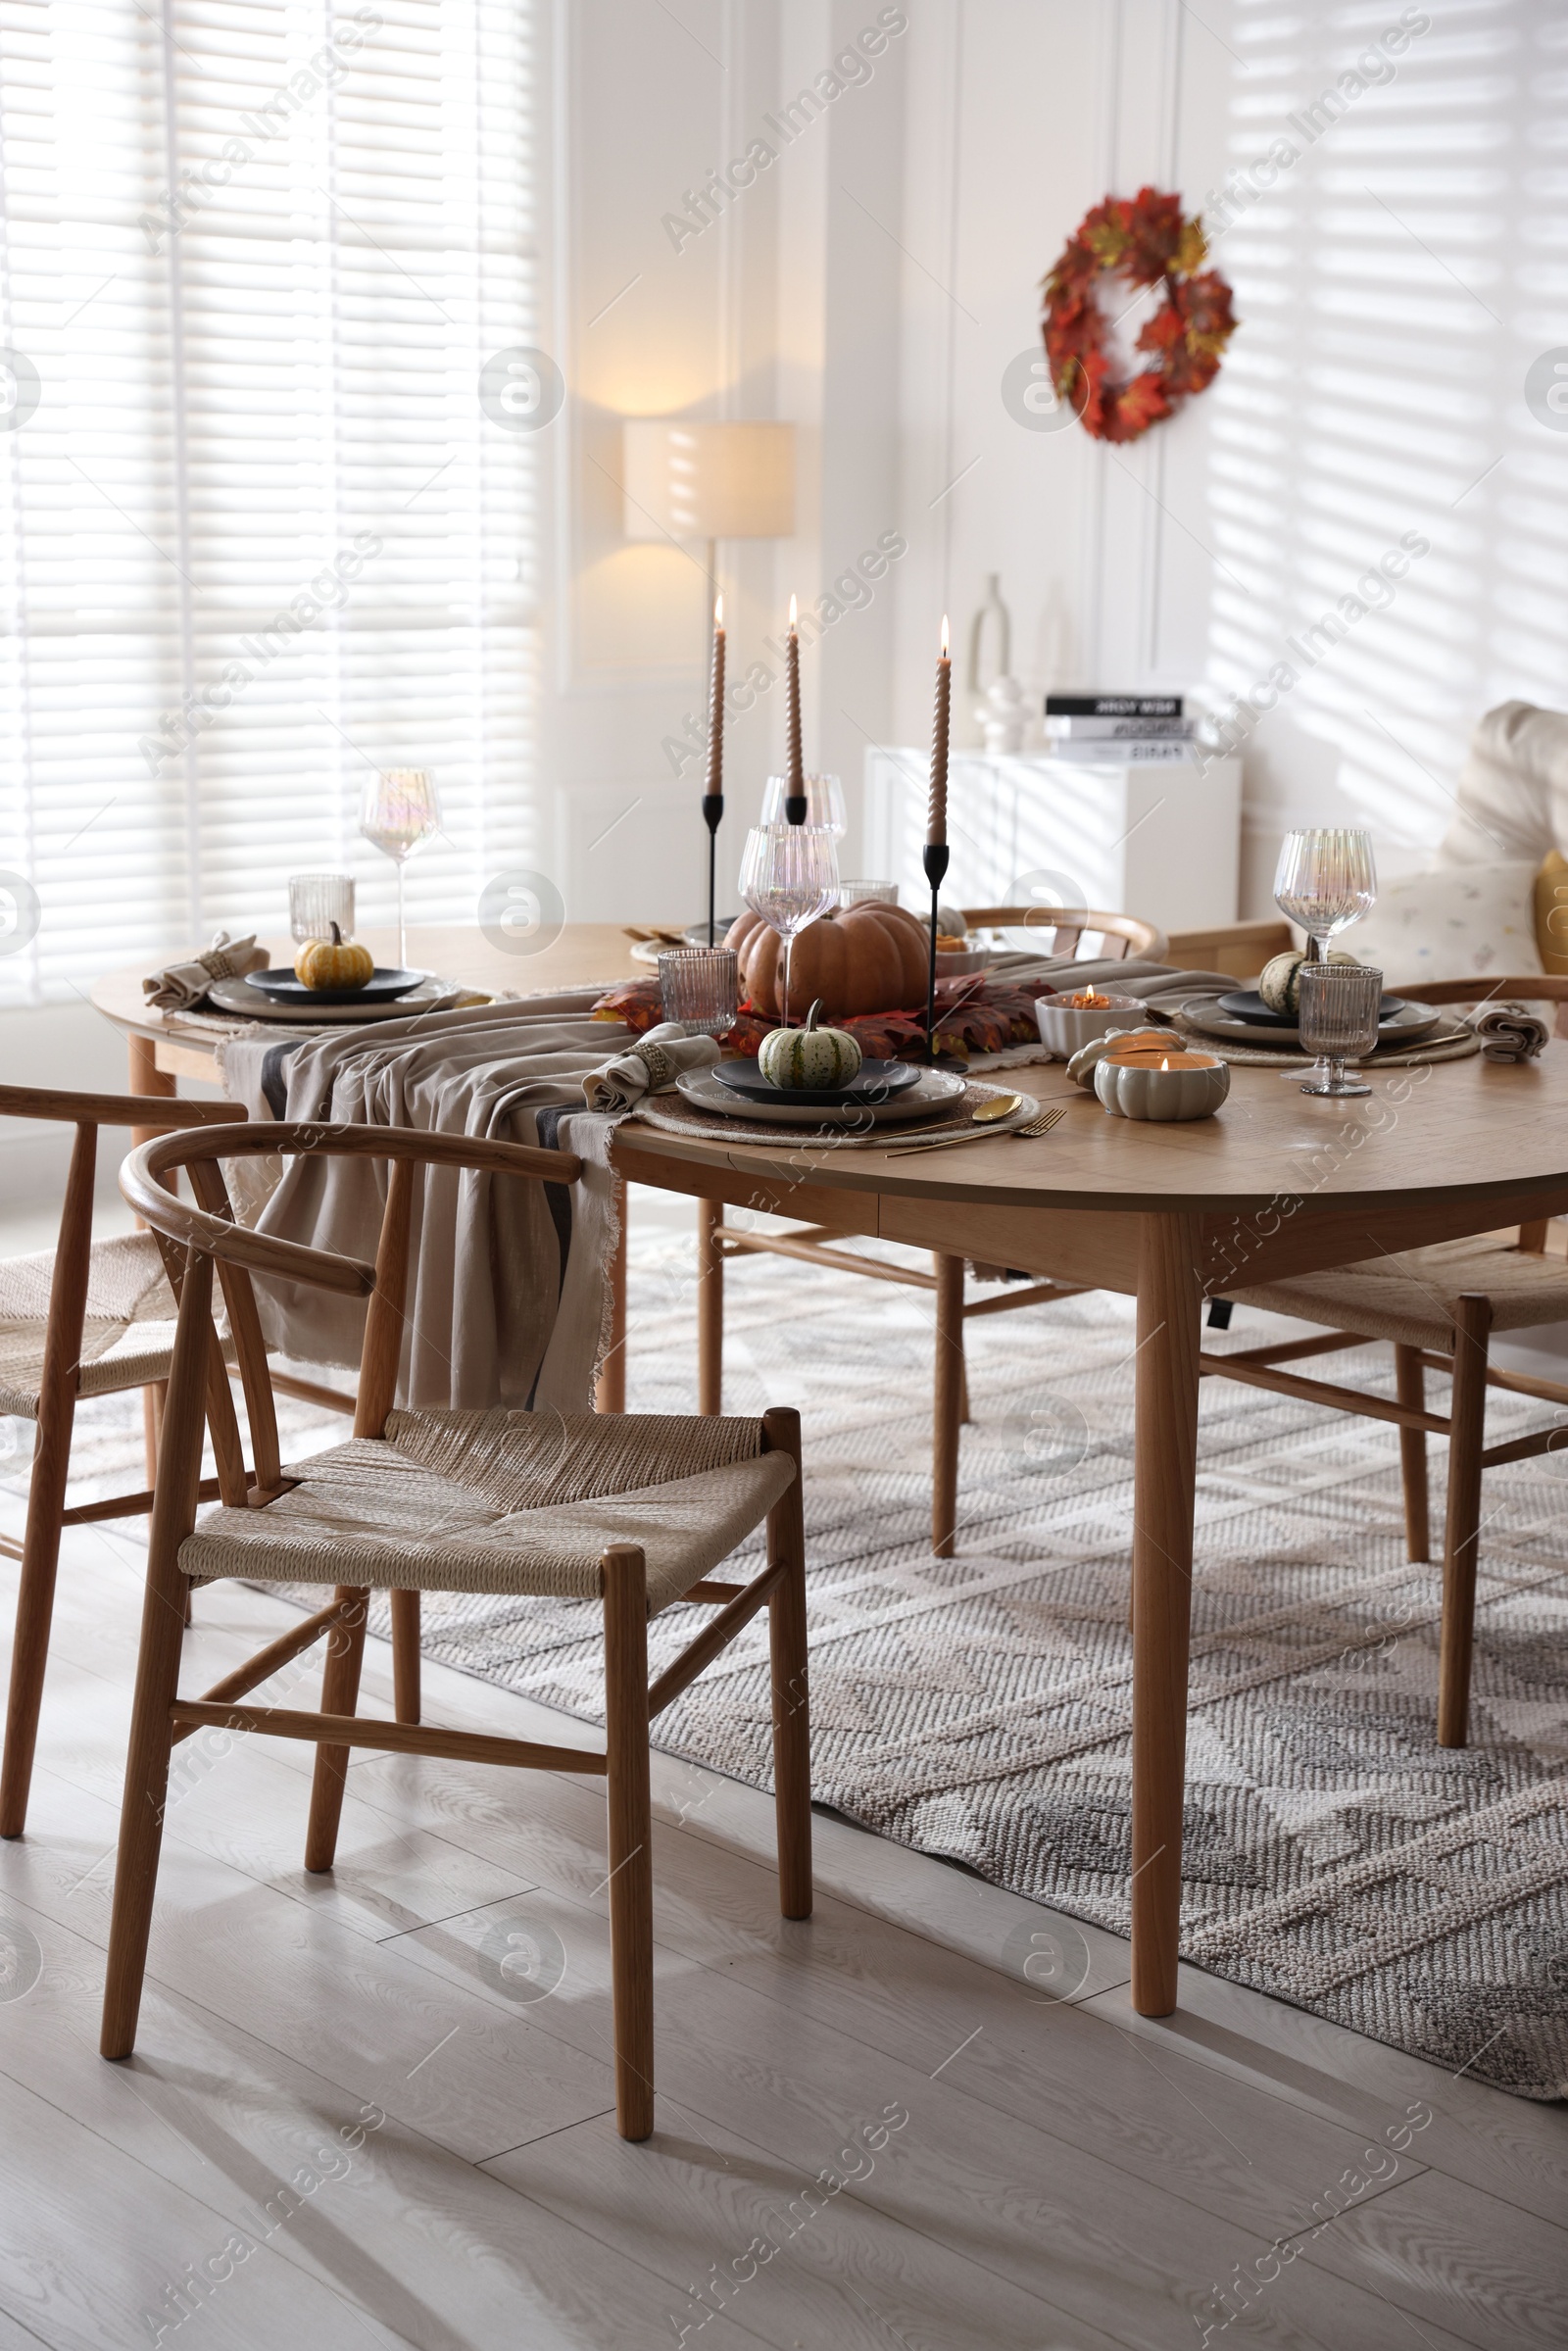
[
  {"x": 398, "y": 812},
  {"x": 824, "y": 803},
  {"x": 1325, "y": 881},
  {"x": 789, "y": 876}
]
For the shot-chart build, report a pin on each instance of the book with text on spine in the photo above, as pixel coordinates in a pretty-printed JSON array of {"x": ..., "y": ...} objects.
[
  {"x": 1111, "y": 730},
  {"x": 1114, "y": 706}
]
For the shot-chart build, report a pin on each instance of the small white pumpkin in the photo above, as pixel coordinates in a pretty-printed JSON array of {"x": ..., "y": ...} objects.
[
  {"x": 1280, "y": 983},
  {"x": 1081, "y": 1069},
  {"x": 814, "y": 1057}
]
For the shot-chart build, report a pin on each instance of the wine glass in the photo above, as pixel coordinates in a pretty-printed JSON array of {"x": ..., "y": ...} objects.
[
  {"x": 399, "y": 810},
  {"x": 1325, "y": 881},
  {"x": 824, "y": 803},
  {"x": 1337, "y": 1017},
  {"x": 790, "y": 875}
]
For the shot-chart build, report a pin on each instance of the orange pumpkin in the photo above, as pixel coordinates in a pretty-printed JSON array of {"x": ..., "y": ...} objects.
[{"x": 858, "y": 959}]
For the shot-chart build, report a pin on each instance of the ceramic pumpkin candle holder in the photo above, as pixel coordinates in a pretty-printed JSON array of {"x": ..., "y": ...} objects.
[{"x": 1161, "y": 1083}]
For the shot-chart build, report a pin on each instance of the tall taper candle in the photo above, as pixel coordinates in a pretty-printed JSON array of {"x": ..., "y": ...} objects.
[
  {"x": 713, "y": 796},
  {"x": 935, "y": 828},
  {"x": 795, "y": 779},
  {"x": 935, "y": 855}
]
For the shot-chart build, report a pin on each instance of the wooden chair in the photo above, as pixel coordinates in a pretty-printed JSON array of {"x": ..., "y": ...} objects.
[
  {"x": 92, "y": 1318},
  {"x": 1439, "y": 1307},
  {"x": 1060, "y": 932},
  {"x": 633, "y": 1511}
]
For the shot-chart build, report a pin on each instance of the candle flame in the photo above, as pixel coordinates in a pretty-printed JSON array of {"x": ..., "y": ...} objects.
[
  {"x": 791, "y": 615},
  {"x": 944, "y": 636},
  {"x": 1165, "y": 1064},
  {"x": 718, "y": 609}
]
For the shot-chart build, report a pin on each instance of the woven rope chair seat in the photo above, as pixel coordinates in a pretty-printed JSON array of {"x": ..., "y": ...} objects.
[
  {"x": 128, "y": 1338},
  {"x": 508, "y": 1502},
  {"x": 1411, "y": 1297}
]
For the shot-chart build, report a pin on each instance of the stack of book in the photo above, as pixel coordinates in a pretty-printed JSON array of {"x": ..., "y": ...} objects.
[{"x": 1117, "y": 727}]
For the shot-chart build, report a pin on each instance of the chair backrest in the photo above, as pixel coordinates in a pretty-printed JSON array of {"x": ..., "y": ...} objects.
[
  {"x": 208, "y": 1230},
  {"x": 1061, "y": 929},
  {"x": 70, "y": 1280}
]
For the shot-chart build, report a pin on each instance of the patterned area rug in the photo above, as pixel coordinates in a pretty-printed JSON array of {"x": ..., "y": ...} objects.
[{"x": 979, "y": 1708}]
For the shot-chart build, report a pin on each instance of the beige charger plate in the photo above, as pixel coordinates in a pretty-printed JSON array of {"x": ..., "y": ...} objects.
[
  {"x": 1407, "y": 1027},
  {"x": 693, "y": 1110},
  {"x": 242, "y": 1002}
]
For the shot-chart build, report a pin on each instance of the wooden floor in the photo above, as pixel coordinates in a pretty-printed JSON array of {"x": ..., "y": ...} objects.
[{"x": 350, "y": 2119}]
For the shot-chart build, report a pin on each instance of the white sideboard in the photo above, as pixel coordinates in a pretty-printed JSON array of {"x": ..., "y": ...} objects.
[{"x": 1161, "y": 840}]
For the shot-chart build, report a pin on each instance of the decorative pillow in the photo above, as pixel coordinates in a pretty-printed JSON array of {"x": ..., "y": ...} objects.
[
  {"x": 1455, "y": 923},
  {"x": 1551, "y": 912}
]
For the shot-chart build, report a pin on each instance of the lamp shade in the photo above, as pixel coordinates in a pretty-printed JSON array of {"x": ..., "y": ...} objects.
[{"x": 708, "y": 481}]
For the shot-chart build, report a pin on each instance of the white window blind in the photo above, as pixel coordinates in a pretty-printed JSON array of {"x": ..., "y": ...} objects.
[{"x": 259, "y": 535}]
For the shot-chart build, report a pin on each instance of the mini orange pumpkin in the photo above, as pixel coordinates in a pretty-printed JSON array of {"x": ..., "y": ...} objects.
[
  {"x": 859, "y": 958},
  {"x": 336, "y": 962}
]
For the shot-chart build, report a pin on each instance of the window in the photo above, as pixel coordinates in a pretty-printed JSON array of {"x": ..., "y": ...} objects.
[
  {"x": 1389, "y": 511},
  {"x": 260, "y": 536}
]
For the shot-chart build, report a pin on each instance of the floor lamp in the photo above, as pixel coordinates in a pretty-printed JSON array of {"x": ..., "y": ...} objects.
[{"x": 695, "y": 484}]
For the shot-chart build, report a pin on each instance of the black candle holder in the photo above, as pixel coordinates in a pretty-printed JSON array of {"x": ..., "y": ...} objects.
[
  {"x": 712, "y": 818},
  {"x": 935, "y": 861}
]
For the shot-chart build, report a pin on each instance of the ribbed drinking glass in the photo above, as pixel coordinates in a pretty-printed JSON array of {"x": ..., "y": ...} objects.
[
  {"x": 701, "y": 989},
  {"x": 1338, "y": 1018}
]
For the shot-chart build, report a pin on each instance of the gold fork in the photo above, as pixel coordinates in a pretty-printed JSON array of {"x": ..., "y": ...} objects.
[{"x": 1041, "y": 1124}]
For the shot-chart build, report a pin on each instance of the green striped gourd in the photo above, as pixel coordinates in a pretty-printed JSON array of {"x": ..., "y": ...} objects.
[{"x": 812, "y": 1056}]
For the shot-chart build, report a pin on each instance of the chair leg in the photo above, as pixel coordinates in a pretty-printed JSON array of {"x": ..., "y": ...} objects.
[
  {"x": 965, "y": 1416},
  {"x": 946, "y": 1405},
  {"x": 631, "y": 1870},
  {"x": 786, "y": 1626},
  {"x": 340, "y": 1693},
  {"x": 709, "y": 1307},
  {"x": 406, "y": 1657},
  {"x": 152, "y": 1400},
  {"x": 1411, "y": 1391},
  {"x": 162, "y": 1634},
  {"x": 1461, "y": 1532},
  {"x": 36, "y": 1602}
]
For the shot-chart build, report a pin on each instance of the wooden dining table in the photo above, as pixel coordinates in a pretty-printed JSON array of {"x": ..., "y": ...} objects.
[{"x": 1278, "y": 1183}]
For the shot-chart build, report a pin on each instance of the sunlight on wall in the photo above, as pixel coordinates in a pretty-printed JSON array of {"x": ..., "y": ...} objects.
[{"x": 1392, "y": 224}]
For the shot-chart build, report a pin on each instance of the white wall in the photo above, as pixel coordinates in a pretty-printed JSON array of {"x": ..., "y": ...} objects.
[{"x": 1394, "y": 285}]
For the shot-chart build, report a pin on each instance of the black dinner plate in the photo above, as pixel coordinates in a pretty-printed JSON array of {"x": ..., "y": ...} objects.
[
  {"x": 384, "y": 987},
  {"x": 877, "y": 1082},
  {"x": 1244, "y": 1003}
]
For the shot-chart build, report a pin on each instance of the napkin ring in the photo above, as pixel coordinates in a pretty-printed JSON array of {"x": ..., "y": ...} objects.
[{"x": 660, "y": 1069}]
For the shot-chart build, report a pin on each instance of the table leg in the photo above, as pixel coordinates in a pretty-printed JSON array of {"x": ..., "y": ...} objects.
[
  {"x": 709, "y": 1307},
  {"x": 1165, "y": 1472},
  {"x": 612, "y": 1391}
]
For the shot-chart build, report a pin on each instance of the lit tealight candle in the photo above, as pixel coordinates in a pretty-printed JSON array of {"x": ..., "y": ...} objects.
[{"x": 1154, "y": 1082}]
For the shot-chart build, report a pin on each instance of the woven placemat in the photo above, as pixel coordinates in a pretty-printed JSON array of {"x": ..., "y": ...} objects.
[
  {"x": 676, "y": 1117},
  {"x": 1454, "y": 1044}
]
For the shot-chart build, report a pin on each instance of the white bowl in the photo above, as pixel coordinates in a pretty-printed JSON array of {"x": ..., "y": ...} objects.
[
  {"x": 958, "y": 962},
  {"x": 1064, "y": 1027}
]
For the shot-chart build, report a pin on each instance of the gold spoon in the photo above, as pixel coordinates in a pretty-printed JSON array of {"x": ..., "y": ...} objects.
[{"x": 1001, "y": 1106}]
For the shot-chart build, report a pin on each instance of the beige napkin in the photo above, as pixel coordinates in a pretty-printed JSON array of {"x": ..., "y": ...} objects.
[
  {"x": 184, "y": 986},
  {"x": 650, "y": 1067},
  {"x": 1508, "y": 1032}
]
